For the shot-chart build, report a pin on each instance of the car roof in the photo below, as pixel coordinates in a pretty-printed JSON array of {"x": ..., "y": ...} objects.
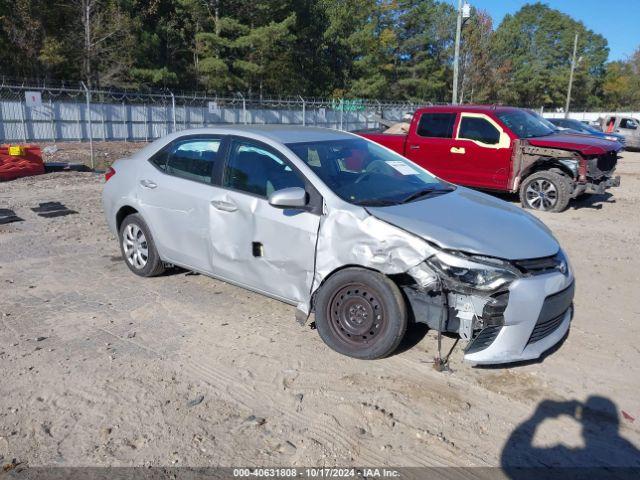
[
  {"x": 468, "y": 108},
  {"x": 279, "y": 133}
]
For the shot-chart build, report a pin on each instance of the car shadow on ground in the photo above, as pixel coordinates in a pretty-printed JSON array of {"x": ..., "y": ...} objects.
[
  {"x": 592, "y": 201},
  {"x": 604, "y": 453}
]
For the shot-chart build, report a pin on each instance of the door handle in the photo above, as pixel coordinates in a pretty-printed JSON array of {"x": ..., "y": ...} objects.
[
  {"x": 224, "y": 206},
  {"x": 148, "y": 184},
  {"x": 414, "y": 147},
  {"x": 457, "y": 150}
]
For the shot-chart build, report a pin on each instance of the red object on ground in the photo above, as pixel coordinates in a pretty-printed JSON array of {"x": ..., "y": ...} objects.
[{"x": 27, "y": 164}]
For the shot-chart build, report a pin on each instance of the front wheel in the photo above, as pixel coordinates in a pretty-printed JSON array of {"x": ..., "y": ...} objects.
[
  {"x": 361, "y": 314},
  {"x": 545, "y": 191}
]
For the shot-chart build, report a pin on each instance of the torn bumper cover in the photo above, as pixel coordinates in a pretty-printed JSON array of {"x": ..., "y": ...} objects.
[
  {"x": 508, "y": 320},
  {"x": 596, "y": 187}
]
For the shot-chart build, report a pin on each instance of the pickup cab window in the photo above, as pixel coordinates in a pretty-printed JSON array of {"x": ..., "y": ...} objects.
[
  {"x": 478, "y": 129},
  {"x": 436, "y": 125}
]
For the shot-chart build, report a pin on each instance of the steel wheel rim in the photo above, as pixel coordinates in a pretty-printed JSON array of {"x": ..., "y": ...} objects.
[
  {"x": 541, "y": 194},
  {"x": 135, "y": 247},
  {"x": 357, "y": 317}
]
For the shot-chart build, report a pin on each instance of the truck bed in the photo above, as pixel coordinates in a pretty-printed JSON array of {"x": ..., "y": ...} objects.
[{"x": 393, "y": 142}]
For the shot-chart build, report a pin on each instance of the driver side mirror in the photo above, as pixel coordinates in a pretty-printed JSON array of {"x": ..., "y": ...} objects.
[{"x": 293, "y": 197}]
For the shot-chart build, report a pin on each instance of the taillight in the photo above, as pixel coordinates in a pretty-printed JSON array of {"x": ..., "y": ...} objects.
[{"x": 109, "y": 173}]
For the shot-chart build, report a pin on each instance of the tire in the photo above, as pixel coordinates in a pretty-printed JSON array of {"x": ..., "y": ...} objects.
[
  {"x": 361, "y": 314},
  {"x": 138, "y": 248},
  {"x": 545, "y": 191}
]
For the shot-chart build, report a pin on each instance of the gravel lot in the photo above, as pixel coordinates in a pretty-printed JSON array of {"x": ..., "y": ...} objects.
[{"x": 102, "y": 368}]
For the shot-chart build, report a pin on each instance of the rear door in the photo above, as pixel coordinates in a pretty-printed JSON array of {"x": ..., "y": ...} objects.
[
  {"x": 429, "y": 143},
  {"x": 175, "y": 190},
  {"x": 481, "y": 152},
  {"x": 254, "y": 244}
]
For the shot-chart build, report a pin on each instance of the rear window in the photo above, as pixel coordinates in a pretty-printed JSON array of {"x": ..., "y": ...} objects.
[{"x": 436, "y": 125}]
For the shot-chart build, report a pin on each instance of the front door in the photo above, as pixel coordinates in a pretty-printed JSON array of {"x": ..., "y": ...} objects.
[
  {"x": 481, "y": 152},
  {"x": 254, "y": 244}
]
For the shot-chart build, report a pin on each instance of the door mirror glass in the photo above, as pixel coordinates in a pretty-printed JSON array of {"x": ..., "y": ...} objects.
[{"x": 293, "y": 197}]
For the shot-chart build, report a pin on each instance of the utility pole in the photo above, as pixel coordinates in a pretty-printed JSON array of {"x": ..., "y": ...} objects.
[
  {"x": 573, "y": 67},
  {"x": 464, "y": 13},
  {"x": 456, "y": 56}
]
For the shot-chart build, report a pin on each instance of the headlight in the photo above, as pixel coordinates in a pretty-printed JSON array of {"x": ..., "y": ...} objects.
[
  {"x": 613, "y": 139},
  {"x": 479, "y": 273}
]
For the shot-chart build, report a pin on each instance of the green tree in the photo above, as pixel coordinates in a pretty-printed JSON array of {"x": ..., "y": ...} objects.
[
  {"x": 426, "y": 34},
  {"x": 622, "y": 84},
  {"x": 532, "y": 52}
]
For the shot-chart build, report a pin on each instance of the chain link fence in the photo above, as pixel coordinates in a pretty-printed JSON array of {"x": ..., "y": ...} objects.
[{"x": 39, "y": 114}]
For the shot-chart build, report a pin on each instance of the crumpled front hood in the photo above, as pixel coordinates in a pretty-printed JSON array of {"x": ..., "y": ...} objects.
[
  {"x": 585, "y": 144},
  {"x": 473, "y": 222}
]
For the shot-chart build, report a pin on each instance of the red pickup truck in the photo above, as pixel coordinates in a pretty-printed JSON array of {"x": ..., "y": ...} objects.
[{"x": 506, "y": 149}]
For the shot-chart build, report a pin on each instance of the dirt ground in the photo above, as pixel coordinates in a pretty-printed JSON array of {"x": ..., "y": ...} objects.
[{"x": 102, "y": 368}]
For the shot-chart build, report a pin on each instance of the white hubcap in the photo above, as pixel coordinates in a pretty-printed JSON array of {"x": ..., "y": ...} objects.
[{"x": 134, "y": 243}]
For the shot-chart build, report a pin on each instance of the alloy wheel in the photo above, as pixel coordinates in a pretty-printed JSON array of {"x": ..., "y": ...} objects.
[{"x": 541, "y": 194}]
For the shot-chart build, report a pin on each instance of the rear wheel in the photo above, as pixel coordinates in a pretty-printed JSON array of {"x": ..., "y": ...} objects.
[
  {"x": 546, "y": 191},
  {"x": 138, "y": 248},
  {"x": 361, "y": 313}
]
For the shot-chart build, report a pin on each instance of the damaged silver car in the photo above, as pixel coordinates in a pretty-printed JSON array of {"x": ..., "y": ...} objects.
[{"x": 348, "y": 230}]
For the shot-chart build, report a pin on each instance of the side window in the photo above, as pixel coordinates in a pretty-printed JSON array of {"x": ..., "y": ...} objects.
[
  {"x": 478, "y": 129},
  {"x": 628, "y": 123},
  {"x": 438, "y": 125},
  {"x": 160, "y": 159},
  {"x": 259, "y": 171},
  {"x": 193, "y": 159}
]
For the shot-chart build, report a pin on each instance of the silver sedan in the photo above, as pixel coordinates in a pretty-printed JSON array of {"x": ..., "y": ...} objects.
[{"x": 348, "y": 230}]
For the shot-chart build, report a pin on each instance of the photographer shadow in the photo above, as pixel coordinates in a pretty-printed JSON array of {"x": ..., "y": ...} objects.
[{"x": 604, "y": 449}]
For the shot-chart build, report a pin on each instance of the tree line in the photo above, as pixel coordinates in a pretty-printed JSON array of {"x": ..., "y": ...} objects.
[{"x": 391, "y": 49}]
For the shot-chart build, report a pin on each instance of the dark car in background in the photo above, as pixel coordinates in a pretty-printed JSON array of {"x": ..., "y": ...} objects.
[{"x": 576, "y": 126}]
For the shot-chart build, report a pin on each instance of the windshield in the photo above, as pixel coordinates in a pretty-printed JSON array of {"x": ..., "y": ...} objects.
[
  {"x": 526, "y": 124},
  {"x": 364, "y": 173}
]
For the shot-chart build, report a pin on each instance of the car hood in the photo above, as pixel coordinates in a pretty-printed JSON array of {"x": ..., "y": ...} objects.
[
  {"x": 473, "y": 222},
  {"x": 584, "y": 144}
]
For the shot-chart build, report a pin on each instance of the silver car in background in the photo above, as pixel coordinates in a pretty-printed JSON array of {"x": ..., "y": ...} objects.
[{"x": 348, "y": 230}]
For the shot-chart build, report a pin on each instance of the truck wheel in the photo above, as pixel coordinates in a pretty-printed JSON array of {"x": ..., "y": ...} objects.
[
  {"x": 545, "y": 191},
  {"x": 138, "y": 248},
  {"x": 361, "y": 314}
]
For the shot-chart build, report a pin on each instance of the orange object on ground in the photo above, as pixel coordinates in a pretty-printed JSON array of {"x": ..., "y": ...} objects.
[{"x": 27, "y": 162}]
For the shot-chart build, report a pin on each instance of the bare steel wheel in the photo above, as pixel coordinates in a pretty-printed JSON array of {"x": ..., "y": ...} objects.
[
  {"x": 137, "y": 247},
  {"x": 361, "y": 313},
  {"x": 546, "y": 191},
  {"x": 357, "y": 315}
]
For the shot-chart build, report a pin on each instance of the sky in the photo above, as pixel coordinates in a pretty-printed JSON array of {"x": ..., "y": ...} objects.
[{"x": 616, "y": 20}]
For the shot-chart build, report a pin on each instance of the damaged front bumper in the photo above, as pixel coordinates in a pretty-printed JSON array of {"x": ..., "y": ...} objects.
[
  {"x": 517, "y": 322},
  {"x": 537, "y": 316},
  {"x": 596, "y": 187}
]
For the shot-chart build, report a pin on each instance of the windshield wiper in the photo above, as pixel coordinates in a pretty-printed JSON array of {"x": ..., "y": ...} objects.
[
  {"x": 375, "y": 202},
  {"x": 425, "y": 192}
]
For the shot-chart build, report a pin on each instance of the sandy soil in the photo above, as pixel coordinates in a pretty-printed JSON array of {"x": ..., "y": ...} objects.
[
  {"x": 104, "y": 153},
  {"x": 102, "y": 368}
]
